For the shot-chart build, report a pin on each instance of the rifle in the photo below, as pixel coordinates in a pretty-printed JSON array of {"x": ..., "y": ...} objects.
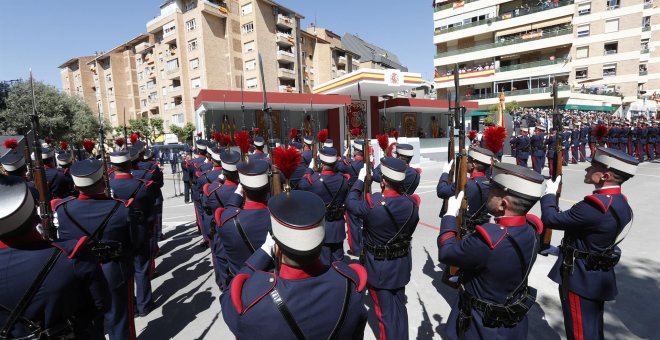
[
  {"x": 39, "y": 173},
  {"x": 243, "y": 105},
  {"x": 26, "y": 155},
  {"x": 102, "y": 151},
  {"x": 365, "y": 150},
  {"x": 125, "y": 130},
  {"x": 546, "y": 235},
  {"x": 315, "y": 147},
  {"x": 451, "y": 153},
  {"x": 460, "y": 173},
  {"x": 348, "y": 133},
  {"x": 267, "y": 109}
]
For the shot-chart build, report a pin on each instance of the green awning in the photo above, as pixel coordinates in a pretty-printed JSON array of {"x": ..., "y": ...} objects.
[
  {"x": 477, "y": 113},
  {"x": 589, "y": 108}
]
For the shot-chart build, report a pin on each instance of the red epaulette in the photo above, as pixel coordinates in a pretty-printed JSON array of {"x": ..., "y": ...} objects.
[
  {"x": 56, "y": 203},
  {"x": 236, "y": 290},
  {"x": 205, "y": 188},
  {"x": 491, "y": 233},
  {"x": 536, "y": 222},
  {"x": 418, "y": 200},
  {"x": 126, "y": 203},
  {"x": 419, "y": 170},
  {"x": 603, "y": 202}
]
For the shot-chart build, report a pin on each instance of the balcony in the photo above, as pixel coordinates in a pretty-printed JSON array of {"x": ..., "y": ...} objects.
[
  {"x": 215, "y": 8},
  {"x": 450, "y": 4},
  {"x": 141, "y": 47},
  {"x": 286, "y": 73},
  {"x": 530, "y": 65},
  {"x": 529, "y": 37},
  {"x": 648, "y": 4},
  {"x": 284, "y": 21},
  {"x": 341, "y": 60},
  {"x": 646, "y": 28},
  {"x": 644, "y": 51},
  {"x": 172, "y": 90},
  {"x": 284, "y": 39},
  {"x": 643, "y": 72},
  {"x": 173, "y": 70},
  {"x": 504, "y": 16},
  {"x": 284, "y": 56},
  {"x": 287, "y": 88},
  {"x": 517, "y": 92}
]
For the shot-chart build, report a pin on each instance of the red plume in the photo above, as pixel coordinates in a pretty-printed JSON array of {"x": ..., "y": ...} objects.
[
  {"x": 390, "y": 149},
  {"x": 472, "y": 135},
  {"x": 11, "y": 143},
  {"x": 293, "y": 133},
  {"x": 199, "y": 134},
  {"x": 217, "y": 136},
  {"x": 355, "y": 132},
  {"x": 395, "y": 134},
  {"x": 257, "y": 131},
  {"x": 322, "y": 135},
  {"x": 120, "y": 141},
  {"x": 134, "y": 137},
  {"x": 287, "y": 160},
  {"x": 88, "y": 145},
  {"x": 242, "y": 139},
  {"x": 494, "y": 138},
  {"x": 599, "y": 132},
  {"x": 383, "y": 141},
  {"x": 226, "y": 140},
  {"x": 48, "y": 140},
  {"x": 64, "y": 145}
]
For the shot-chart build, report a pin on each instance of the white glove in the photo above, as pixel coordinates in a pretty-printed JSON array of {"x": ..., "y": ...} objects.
[
  {"x": 312, "y": 162},
  {"x": 447, "y": 167},
  {"x": 454, "y": 205},
  {"x": 239, "y": 190},
  {"x": 551, "y": 186},
  {"x": 221, "y": 177},
  {"x": 348, "y": 149},
  {"x": 552, "y": 250},
  {"x": 371, "y": 158},
  {"x": 363, "y": 173},
  {"x": 268, "y": 245}
]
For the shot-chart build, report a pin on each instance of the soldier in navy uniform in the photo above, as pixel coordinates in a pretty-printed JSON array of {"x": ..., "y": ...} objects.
[
  {"x": 301, "y": 298},
  {"x": 113, "y": 225},
  {"x": 71, "y": 298},
  {"x": 59, "y": 184},
  {"x": 405, "y": 153},
  {"x": 522, "y": 146},
  {"x": 537, "y": 144},
  {"x": 204, "y": 179},
  {"x": 185, "y": 177},
  {"x": 242, "y": 228},
  {"x": 551, "y": 146},
  {"x": 13, "y": 162},
  {"x": 657, "y": 139},
  {"x": 588, "y": 253},
  {"x": 218, "y": 194},
  {"x": 64, "y": 160},
  {"x": 352, "y": 168},
  {"x": 333, "y": 188},
  {"x": 477, "y": 188},
  {"x": 193, "y": 166},
  {"x": 307, "y": 149},
  {"x": 652, "y": 139},
  {"x": 259, "y": 153},
  {"x": 390, "y": 218},
  {"x": 591, "y": 139},
  {"x": 636, "y": 133},
  {"x": 575, "y": 144},
  {"x": 300, "y": 170},
  {"x": 566, "y": 143},
  {"x": 624, "y": 138},
  {"x": 496, "y": 259},
  {"x": 585, "y": 131},
  {"x": 148, "y": 163},
  {"x": 644, "y": 141},
  {"x": 612, "y": 136},
  {"x": 125, "y": 187}
]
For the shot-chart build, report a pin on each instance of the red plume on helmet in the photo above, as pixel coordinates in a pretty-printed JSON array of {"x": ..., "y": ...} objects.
[
  {"x": 217, "y": 137},
  {"x": 242, "y": 139},
  {"x": 287, "y": 160},
  {"x": 134, "y": 137},
  {"x": 383, "y": 141},
  {"x": 48, "y": 140},
  {"x": 257, "y": 131},
  {"x": 322, "y": 136},
  {"x": 293, "y": 133},
  {"x": 11, "y": 143},
  {"x": 226, "y": 140},
  {"x": 599, "y": 132},
  {"x": 472, "y": 135},
  {"x": 395, "y": 134},
  {"x": 88, "y": 145},
  {"x": 199, "y": 134},
  {"x": 64, "y": 145},
  {"x": 494, "y": 138},
  {"x": 120, "y": 141},
  {"x": 356, "y": 132}
]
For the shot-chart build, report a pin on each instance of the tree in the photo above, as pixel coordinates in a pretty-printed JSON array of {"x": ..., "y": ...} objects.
[
  {"x": 492, "y": 110},
  {"x": 61, "y": 116},
  {"x": 185, "y": 133},
  {"x": 150, "y": 129}
]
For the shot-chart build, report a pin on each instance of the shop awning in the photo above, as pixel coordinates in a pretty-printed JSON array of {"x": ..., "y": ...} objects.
[
  {"x": 589, "y": 108},
  {"x": 477, "y": 113}
]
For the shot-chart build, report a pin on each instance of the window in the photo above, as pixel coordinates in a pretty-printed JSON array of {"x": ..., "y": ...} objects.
[
  {"x": 646, "y": 23},
  {"x": 141, "y": 75},
  {"x": 112, "y": 105},
  {"x": 173, "y": 64},
  {"x": 169, "y": 29},
  {"x": 108, "y": 78},
  {"x": 611, "y": 25},
  {"x": 251, "y": 83},
  {"x": 609, "y": 70},
  {"x": 111, "y": 91},
  {"x": 139, "y": 60},
  {"x": 611, "y": 48},
  {"x": 304, "y": 54},
  {"x": 246, "y": 9},
  {"x": 583, "y": 31},
  {"x": 581, "y": 73},
  {"x": 143, "y": 102},
  {"x": 612, "y": 4},
  {"x": 192, "y": 45},
  {"x": 191, "y": 25},
  {"x": 582, "y": 52},
  {"x": 248, "y": 28},
  {"x": 143, "y": 89},
  {"x": 643, "y": 70},
  {"x": 644, "y": 46},
  {"x": 248, "y": 46},
  {"x": 190, "y": 5},
  {"x": 584, "y": 9},
  {"x": 250, "y": 65},
  {"x": 302, "y": 40},
  {"x": 194, "y": 63},
  {"x": 196, "y": 83}
]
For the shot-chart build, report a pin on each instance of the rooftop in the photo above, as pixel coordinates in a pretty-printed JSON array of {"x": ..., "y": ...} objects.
[{"x": 371, "y": 52}]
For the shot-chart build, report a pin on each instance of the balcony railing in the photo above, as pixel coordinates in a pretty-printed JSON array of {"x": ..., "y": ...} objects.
[
  {"x": 450, "y": 4},
  {"x": 505, "y": 16},
  {"x": 644, "y": 51},
  {"x": 646, "y": 28},
  {"x": 341, "y": 61},
  {"x": 643, "y": 73},
  {"x": 286, "y": 88},
  {"x": 529, "y": 65},
  {"x": 516, "y": 40},
  {"x": 283, "y": 20},
  {"x": 517, "y": 92},
  {"x": 648, "y": 4}
]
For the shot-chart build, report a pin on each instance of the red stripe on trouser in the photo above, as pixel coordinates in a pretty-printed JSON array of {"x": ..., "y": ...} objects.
[
  {"x": 630, "y": 149},
  {"x": 131, "y": 309},
  {"x": 576, "y": 314},
  {"x": 551, "y": 166},
  {"x": 534, "y": 162},
  {"x": 198, "y": 221},
  {"x": 379, "y": 314},
  {"x": 348, "y": 231}
]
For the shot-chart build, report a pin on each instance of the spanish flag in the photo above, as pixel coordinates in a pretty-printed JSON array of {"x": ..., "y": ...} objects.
[{"x": 500, "y": 111}]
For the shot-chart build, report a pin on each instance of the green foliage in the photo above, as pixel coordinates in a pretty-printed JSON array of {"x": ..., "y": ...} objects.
[
  {"x": 61, "y": 116},
  {"x": 492, "y": 111},
  {"x": 149, "y": 129},
  {"x": 185, "y": 133}
]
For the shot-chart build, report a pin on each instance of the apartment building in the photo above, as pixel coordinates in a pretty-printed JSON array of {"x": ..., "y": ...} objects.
[
  {"x": 601, "y": 52},
  {"x": 78, "y": 80},
  {"x": 372, "y": 56}
]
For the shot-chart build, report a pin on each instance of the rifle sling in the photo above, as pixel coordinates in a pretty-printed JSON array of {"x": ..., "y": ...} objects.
[
  {"x": 244, "y": 236},
  {"x": 30, "y": 293},
  {"x": 286, "y": 314},
  {"x": 99, "y": 230},
  {"x": 334, "y": 196}
]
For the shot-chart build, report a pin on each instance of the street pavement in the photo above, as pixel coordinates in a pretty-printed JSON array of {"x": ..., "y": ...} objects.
[{"x": 186, "y": 297}]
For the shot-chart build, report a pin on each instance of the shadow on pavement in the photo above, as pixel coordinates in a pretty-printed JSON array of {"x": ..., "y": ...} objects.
[
  {"x": 448, "y": 294},
  {"x": 425, "y": 329}
]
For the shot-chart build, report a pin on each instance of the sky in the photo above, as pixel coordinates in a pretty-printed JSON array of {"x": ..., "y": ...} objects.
[{"x": 44, "y": 34}]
